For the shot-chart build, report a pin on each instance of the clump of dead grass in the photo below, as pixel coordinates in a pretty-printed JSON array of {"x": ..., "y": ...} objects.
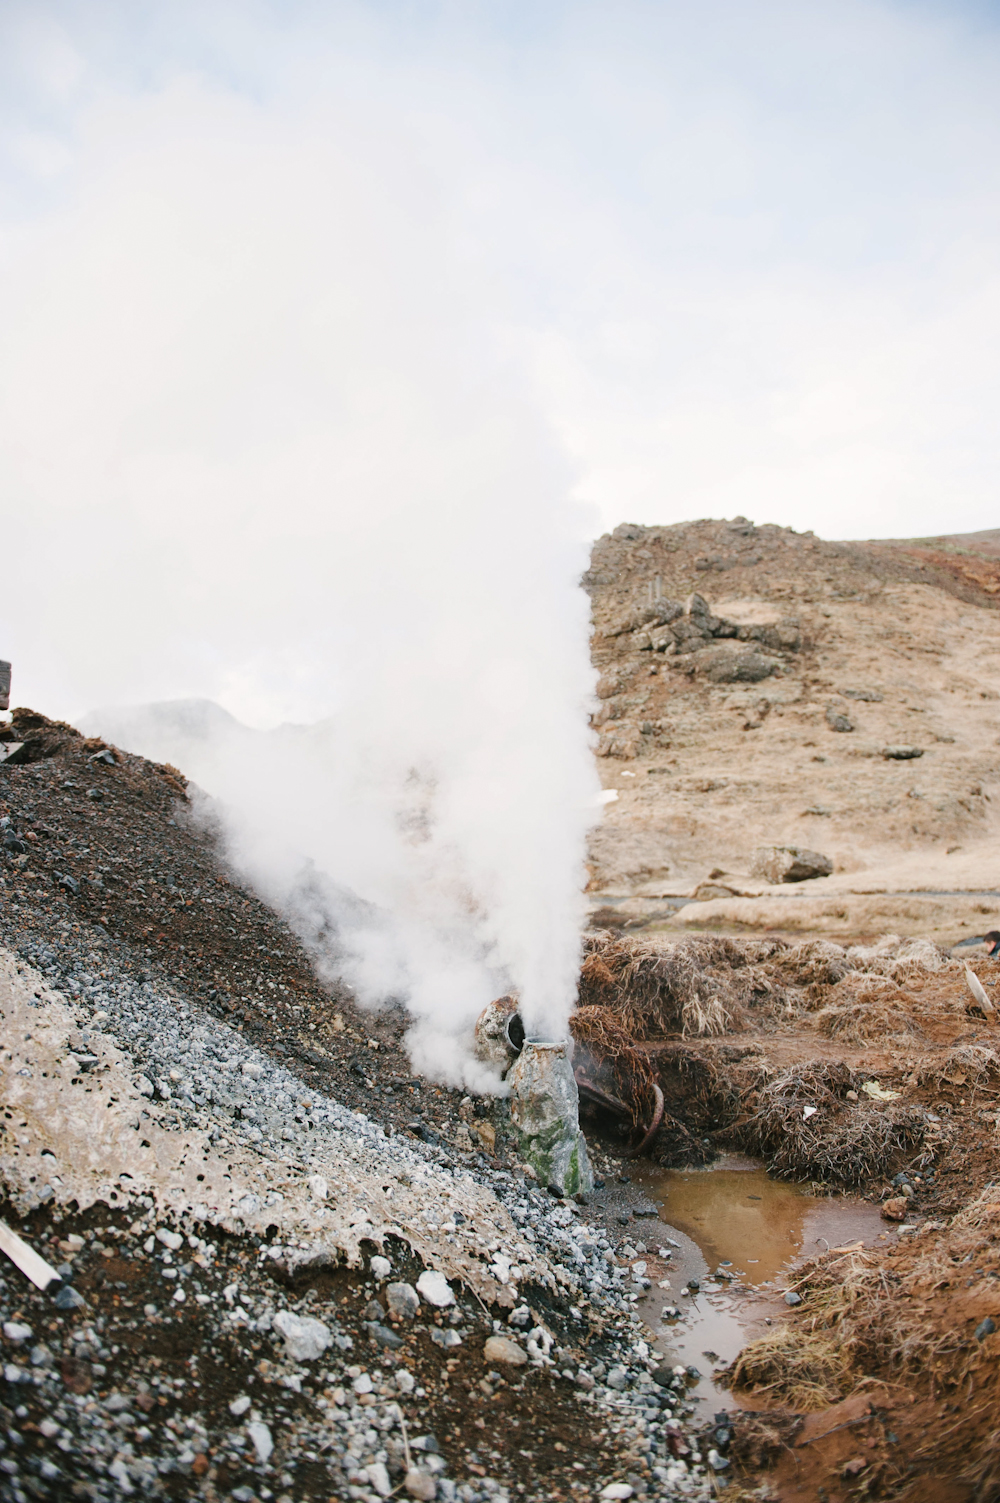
[
  {"x": 608, "y": 1050},
  {"x": 800, "y": 1369},
  {"x": 698, "y": 986},
  {"x": 813, "y": 963},
  {"x": 969, "y": 1064},
  {"x": 870, "y": 1012},
  {"x": 837, "y": 1140},
  {"x": 759, "y": 1437},
  {"x": 900, "y": 959}
]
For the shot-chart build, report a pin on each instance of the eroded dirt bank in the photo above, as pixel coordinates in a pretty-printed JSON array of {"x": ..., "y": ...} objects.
[{"x": 871, "y": 1069}]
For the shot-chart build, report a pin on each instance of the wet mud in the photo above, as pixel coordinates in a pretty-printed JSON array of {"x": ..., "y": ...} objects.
[{"x": 738, "y": 1235}]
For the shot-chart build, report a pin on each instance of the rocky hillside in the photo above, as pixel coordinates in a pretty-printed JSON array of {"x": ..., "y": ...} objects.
[{"x": 764, "y": 687}]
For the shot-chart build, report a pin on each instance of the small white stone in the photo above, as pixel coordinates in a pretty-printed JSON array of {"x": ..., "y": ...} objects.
[
  {"x": 179, "y": 1296},
  {"x": 362, "y": 1383},
  {"x": 434, "y": 1288},
  {"x": 170, "y": 1239},
  {"x": 381, "y": 1268},
  {"x": 305, "y": 1338},
  {"x": 15, "y": 1331},
  {"x": 378, "y": 1476},
  {"x": 319, "y": 1187},
  {"x": 260, "y": 1437},
  {"x": 119, "y": 1471},
  {"x": 240, "y": 1406},
  {"x": 616, "y": 1490},
  {"x": 405, "y": 1381},
  {"x": 145, "y": 1086}
]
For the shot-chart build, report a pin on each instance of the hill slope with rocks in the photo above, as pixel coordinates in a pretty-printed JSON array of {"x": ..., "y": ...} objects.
[
  {"x": 282, "y": 1267},
  {"x": 760, "y": 687}
]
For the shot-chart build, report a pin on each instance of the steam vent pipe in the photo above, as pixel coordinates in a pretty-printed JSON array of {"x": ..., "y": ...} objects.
[
  {"x": 545, "y": 1110},
  {"x": 544, "y": 1099}
]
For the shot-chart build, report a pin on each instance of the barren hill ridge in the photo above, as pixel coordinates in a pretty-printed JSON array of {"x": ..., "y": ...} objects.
[{"x": 760, "y": 686}]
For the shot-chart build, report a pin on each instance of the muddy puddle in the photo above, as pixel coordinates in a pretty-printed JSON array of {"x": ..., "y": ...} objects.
[{"x": 739, "y": 1235}]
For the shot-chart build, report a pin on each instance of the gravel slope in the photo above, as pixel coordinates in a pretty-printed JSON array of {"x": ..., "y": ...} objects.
[{"x": 189, "y": 1152}]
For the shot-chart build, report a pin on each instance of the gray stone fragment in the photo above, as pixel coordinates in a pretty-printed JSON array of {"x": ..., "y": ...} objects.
[
  {"x": 305, "y": 1338},
  {"x": 403, "y": 1301},
  {"x": 789, "y": 863}
]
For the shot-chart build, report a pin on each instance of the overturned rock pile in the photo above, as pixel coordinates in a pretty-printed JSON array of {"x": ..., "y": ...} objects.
[{"x": 721, "y": 651}]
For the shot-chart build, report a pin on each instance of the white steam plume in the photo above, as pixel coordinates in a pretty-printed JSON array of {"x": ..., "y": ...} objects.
[{"x": 278, "y": 464}]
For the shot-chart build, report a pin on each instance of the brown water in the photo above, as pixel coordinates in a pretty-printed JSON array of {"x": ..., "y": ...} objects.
[{"x": 732, "y": 1223}]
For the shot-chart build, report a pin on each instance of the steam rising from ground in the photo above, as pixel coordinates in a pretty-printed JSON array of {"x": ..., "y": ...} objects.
[{"x": 284, "y": 468}]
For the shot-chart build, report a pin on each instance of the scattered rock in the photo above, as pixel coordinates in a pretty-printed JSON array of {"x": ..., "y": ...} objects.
[
  {"x": 895, "y": 1209},
  {"x": 383, "y": 1336},
  {"x": 378, "y": 1476},
  {"x": 420, "y": 1484},
  {"x": 503, "y": 1349},
  {"x": 901, "y": 753},
  {"x": 403, "y": 1300},
  {"x": 985, "y": 1328},
  {"x": 791, "y": 1298},
  {"x": 435, "y": 1289},
  {"x": 836, "y": 721},
  {"x": 305, "y": 1337},
  {"x": 789, "y": 863},
  {"x": 260, "y": 1438}
]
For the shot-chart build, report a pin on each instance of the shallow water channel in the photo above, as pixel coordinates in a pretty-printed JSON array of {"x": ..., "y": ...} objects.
[{"x": 739, "y": 1234}]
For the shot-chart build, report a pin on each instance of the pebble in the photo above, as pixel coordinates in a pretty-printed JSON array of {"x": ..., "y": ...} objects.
[
  {"x": 260, "y": 1438},
  {"x": 403, "y": 1300},
  {"x": 435, "y": 1289},
  {"x": 305, "y": 1337},
  {"x": 421, "y": 1485},
  {"x": 791, "y": 1298},
  {"x": 503, "y": 1349}
]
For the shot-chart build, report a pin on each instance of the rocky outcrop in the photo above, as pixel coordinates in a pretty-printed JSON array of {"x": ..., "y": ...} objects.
[{"x": 788, "y": 863}]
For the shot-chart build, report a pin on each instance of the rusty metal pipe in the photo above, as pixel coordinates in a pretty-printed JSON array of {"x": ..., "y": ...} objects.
[
  {"x": 594, "y": 1094},
  {"x": 654, "y": 1127}
]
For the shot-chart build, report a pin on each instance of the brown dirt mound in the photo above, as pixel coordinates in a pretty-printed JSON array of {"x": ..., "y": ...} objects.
[{"x": 922, "y": 1318}]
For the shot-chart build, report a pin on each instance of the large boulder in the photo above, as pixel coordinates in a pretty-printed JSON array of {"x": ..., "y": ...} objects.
[
  {"x": 731, "y": 663},
  {"x": 788, "y": 863}
]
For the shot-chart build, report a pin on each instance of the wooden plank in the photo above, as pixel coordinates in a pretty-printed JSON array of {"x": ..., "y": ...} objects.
[{"x": 31, "y": 1264}]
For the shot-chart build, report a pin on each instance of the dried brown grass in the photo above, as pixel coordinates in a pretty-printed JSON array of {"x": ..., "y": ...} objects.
[
  {"x": 871, "y": 1012},
  {"x": 608, "y": 1051},
  {"x": 969, "y": 1064},
  {"x": 841, "y": 1141},
  {"x": 799, "y": 1369},
  {"x": 696, "y": 987},
  {"x": 759, "y": 1437}
]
